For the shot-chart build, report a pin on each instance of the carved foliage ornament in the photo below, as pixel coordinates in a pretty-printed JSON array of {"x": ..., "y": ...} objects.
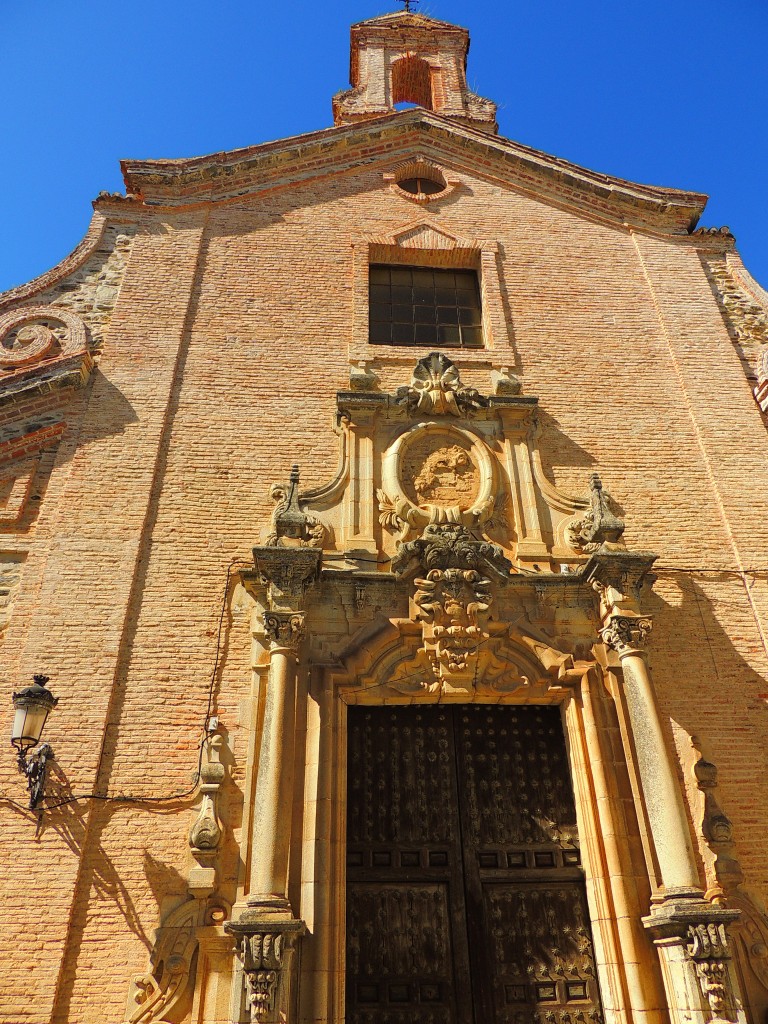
[
  {"x": 450, "y": 546},
  {"x": 266, "y": 954},
  {"x": 262, "y": 956},
  {"x": 33, "y": 333},
  {"x": 436, "y": 390},
  {"x": 708, "y": 947},
  {"x": 626, "y": 633}
]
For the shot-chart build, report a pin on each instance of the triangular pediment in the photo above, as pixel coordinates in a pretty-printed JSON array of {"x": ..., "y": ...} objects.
[
  {"x": 344, "y": 148},
  {"x": 429, "y": 236}
]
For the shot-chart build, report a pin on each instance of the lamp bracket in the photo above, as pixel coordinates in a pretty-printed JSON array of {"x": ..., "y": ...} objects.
[{"x": 35, "y": 768}]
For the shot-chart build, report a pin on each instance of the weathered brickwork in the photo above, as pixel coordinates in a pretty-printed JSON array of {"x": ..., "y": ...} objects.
[
  {"x": 224, "y": 326},
  {"x": 745, "y": 317}
]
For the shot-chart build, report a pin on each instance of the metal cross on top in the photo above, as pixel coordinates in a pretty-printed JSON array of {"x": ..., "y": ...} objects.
[{"x": 407, "y": 3}]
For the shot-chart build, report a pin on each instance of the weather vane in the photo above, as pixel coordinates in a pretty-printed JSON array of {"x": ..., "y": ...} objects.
[{"x": 407, "y": 3}]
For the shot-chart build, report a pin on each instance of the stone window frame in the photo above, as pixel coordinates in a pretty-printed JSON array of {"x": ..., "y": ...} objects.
[{"x": 425, "y": 243}]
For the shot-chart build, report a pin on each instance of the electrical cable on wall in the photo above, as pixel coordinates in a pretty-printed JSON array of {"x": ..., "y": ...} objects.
[{"x": 128, "y": 799}]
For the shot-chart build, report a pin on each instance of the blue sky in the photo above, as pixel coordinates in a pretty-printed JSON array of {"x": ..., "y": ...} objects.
[{"x": 667, "y": 93}]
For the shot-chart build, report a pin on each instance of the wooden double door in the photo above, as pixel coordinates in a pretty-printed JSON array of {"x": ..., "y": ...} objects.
[{"x": 465, "y": 895}]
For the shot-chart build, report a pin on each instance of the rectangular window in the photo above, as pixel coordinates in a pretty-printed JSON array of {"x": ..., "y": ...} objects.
[{"x": 424, "y": 306}]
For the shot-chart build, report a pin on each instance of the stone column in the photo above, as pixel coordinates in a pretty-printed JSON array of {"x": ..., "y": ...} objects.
[
  {"x": 266, "y": 931},
  {"x": 274, "y": 785},
  {"x": 626, "y": 634},
  {"x": 689, "y": 932}
]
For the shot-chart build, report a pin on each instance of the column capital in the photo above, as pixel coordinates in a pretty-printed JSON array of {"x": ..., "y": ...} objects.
[
  {"x": 626, "y": 634},
  {"x": 284, "y": 629}
]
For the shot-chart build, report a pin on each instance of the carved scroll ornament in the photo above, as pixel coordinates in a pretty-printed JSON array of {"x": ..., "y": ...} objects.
[
  {"x": 33, "y": 333},
  {"x": 164, "y": 993},
  {"x": 284, "y": 629}
]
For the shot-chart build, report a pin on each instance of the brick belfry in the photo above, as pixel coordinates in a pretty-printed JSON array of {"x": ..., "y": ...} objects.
[{"x": 384, "y": 506}]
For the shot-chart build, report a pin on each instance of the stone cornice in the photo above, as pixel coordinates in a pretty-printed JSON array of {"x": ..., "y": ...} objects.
[{"x": 227, "y": 175}]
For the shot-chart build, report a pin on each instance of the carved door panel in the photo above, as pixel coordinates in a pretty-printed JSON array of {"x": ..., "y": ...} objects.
[
  {"x": 406, "y": 931},
  {"x": 465, "y": 898},
  {"x": 527, "y": 918}
]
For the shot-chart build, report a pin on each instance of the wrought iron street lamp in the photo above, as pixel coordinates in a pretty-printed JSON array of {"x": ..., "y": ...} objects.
[{"x": 33, "y": 705}]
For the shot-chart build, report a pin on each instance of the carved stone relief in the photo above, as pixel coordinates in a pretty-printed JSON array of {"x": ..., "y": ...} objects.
[
  {"x": 436, "y": 389},
  {"x": 436, "y": 473},
  {"x": 599, "y": 525}
]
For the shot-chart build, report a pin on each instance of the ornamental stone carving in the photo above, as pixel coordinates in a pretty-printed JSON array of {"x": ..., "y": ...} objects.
[
  {"x": 287, "y": 572},
  {"x": 284, "y": 629},
  {"x": 205, "y": 834},
  {"x": 454, "y": 607},
  {"x": 438, "y": 473},
  {"x": 262, "y": 956},
  {"x": 291, "y": 526},
  {"x": 450, "y": 546},
  {"x": 164, "y": 992},
  {"x": 626, "y": 634},
  {"x": 33, "y": 333},
  {"x": 266, "y": 954},
  {"x": 698, "y": 930},
  {"x": 436, "y": 390},
  {"x": 708, "y": 948},
  {"x": 599, "y": 525},
  {"x": 452, "y": 601}
]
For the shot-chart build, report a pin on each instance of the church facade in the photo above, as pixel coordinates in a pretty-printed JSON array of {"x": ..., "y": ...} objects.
[{"x": 383, "y": 508}]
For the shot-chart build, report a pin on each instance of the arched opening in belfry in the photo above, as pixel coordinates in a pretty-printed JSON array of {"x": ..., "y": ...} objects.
[{"x": 412, "y": 82}]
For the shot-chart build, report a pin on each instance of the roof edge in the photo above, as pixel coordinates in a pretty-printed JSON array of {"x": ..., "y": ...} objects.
[{"x": 153, "y": 180}]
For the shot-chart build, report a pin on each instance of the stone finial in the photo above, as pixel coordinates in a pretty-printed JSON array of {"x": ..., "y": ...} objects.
[
  {"x": 599, "y": 527},
  {"x": 291, "y": 526}
]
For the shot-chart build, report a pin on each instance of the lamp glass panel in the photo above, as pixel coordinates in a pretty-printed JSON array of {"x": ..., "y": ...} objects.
[{"x": 28, "y": 723}]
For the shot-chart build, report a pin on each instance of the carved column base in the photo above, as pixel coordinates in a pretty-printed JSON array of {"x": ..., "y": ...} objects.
[
  {"x": 692, "y": 939},
  {"x": 267, "y": 948}
]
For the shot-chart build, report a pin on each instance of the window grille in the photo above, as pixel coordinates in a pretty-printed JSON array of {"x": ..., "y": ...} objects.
[{"x": 424, "y": 306}]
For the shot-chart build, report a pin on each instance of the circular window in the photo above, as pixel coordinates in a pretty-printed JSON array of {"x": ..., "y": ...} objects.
[
  {"x": 419, "y": 181},
  {"x": 421, "y": 186}
]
